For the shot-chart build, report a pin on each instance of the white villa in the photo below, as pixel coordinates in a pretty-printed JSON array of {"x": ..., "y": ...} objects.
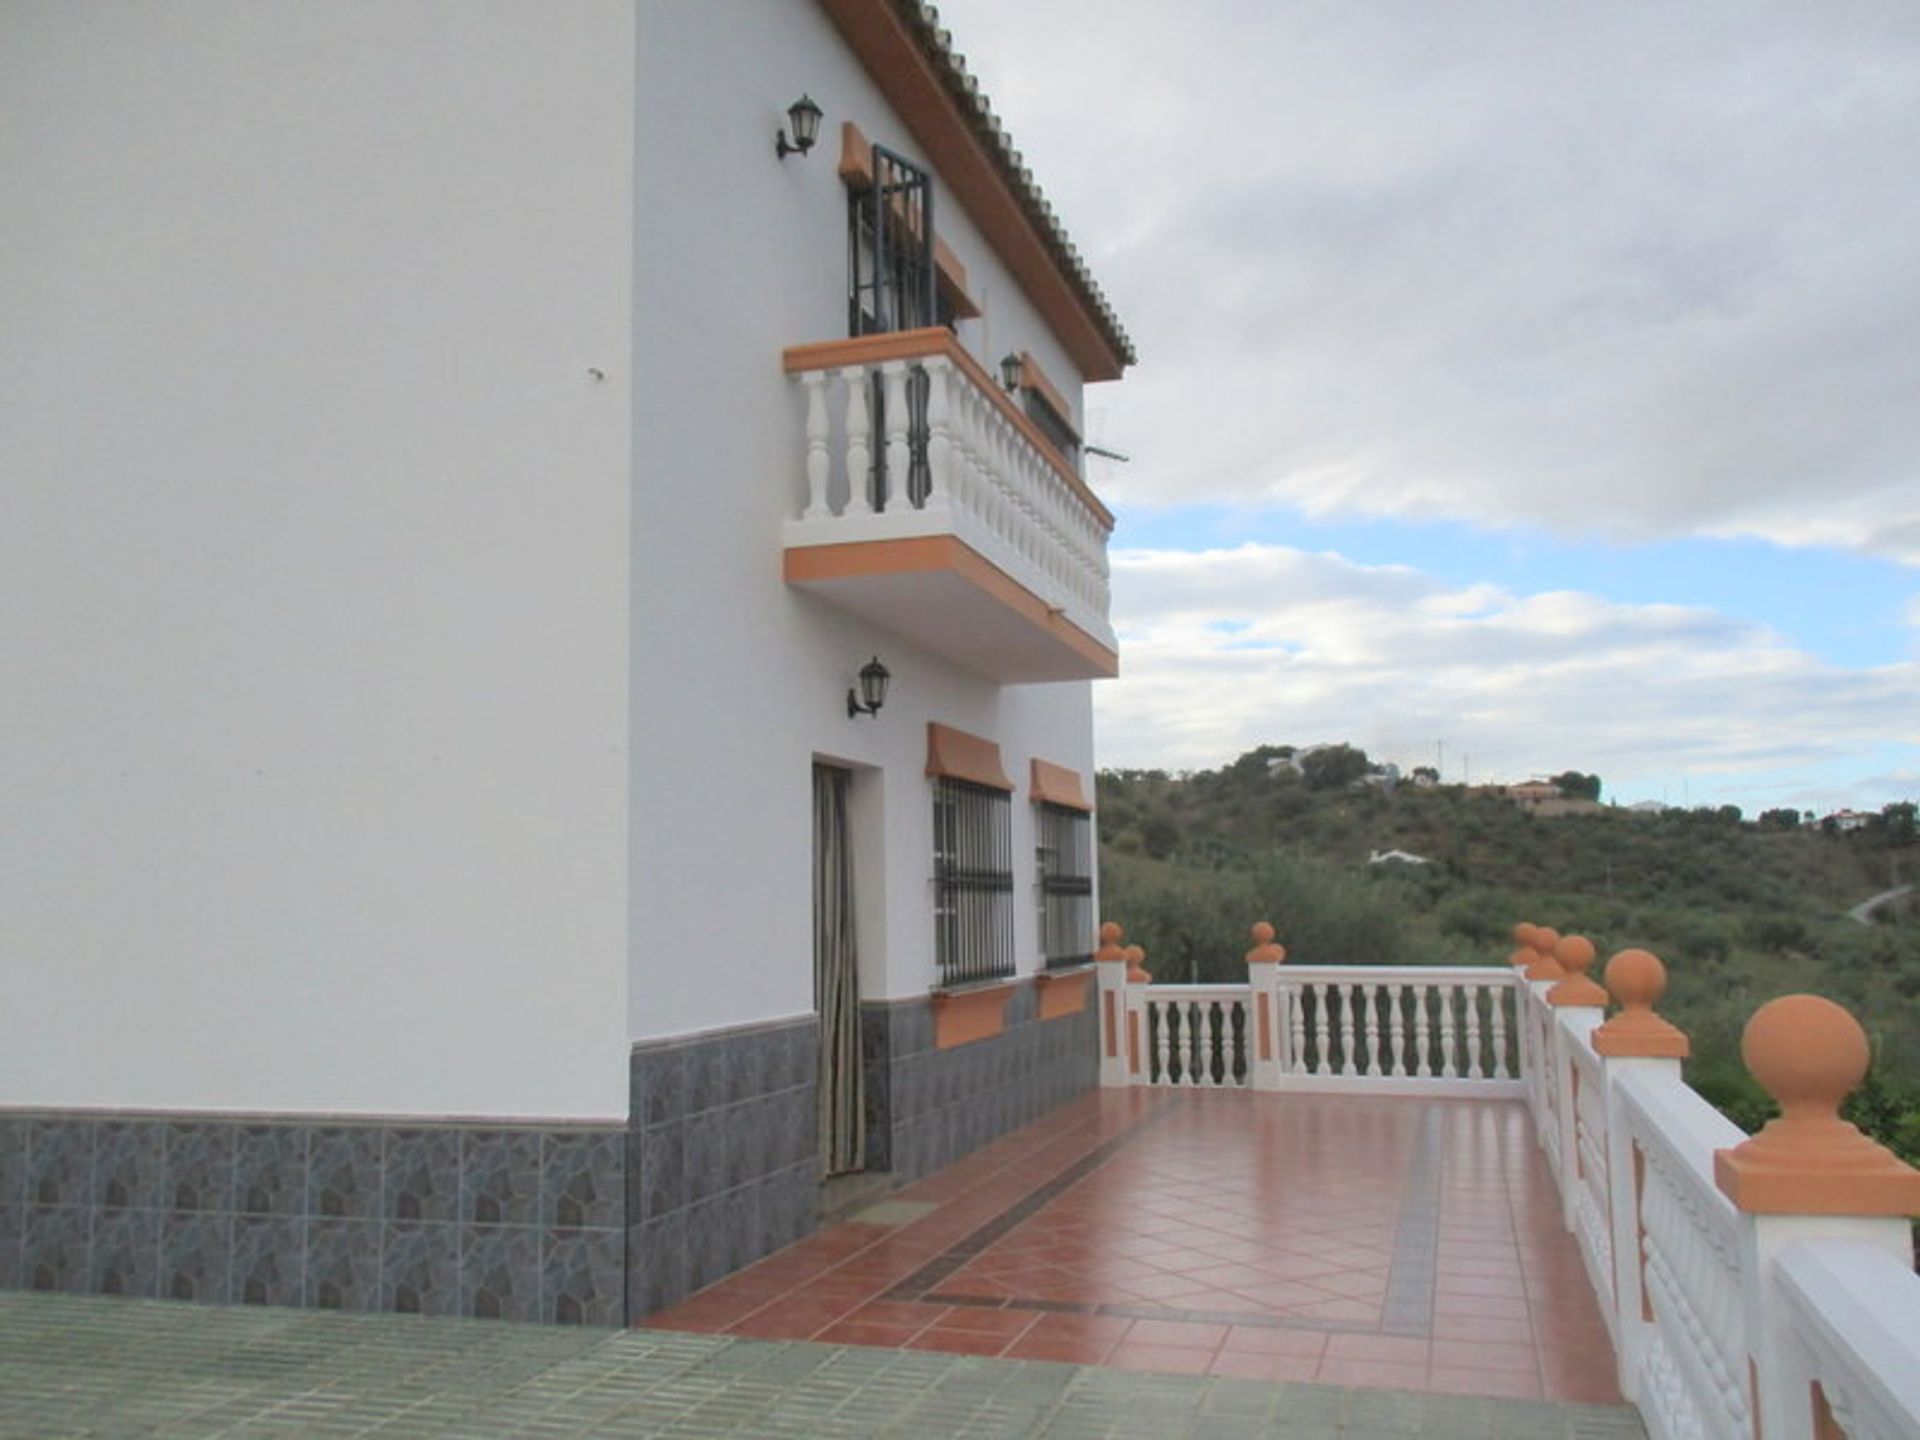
[{"x": 548, "y": 646}]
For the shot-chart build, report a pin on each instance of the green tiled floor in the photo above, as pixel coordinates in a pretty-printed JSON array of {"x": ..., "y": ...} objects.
[{"x": 74, "y": 1367}]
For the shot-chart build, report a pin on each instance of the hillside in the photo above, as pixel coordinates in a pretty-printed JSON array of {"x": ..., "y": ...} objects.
[{"x": 1740, "y": 912}]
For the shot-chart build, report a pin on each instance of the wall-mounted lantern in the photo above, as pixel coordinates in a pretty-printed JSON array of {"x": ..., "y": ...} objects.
[
  {"x": 872, "y": 693},
  {"x": 1012, "y": 370},
  {"x": 804, "y": 116}
]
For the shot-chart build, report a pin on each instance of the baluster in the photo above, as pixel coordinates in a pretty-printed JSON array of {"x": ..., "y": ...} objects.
[
  {"x": 1422, "y": 1033},
  {"x": 1447, "y": 1071},
  {"x": 1238, "y": 1063},
  {"x": 859, "y": 448},
  {"x": 1322, "y": 998},
  {"x": 1372, "y": 998},
  {"x": 1396, "y": 1030},
  {"x": 818, "y": 464},
  {"x": 1346, "y": 1030},
  {"x": 1470, "y": 998},
  {"x": 939, "y": 436},
  {"x": 1497, "y": 1014},
  {"x": 899, "y": 452},
  {"x": 1297, "y": 1026},
  {"x": 1163, "y": 1041},
  {"x": 1198, "y": 1071}
]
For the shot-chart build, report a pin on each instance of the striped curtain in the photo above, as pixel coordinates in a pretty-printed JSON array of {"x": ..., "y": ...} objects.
[{"x": 836, "y": 991}]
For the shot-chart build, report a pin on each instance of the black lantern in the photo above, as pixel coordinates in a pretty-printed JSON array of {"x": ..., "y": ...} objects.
[
  {"x": 1012, "y": 370},
  {"x": 804, "y": 116},
  {"x": 873, "y": 689}
]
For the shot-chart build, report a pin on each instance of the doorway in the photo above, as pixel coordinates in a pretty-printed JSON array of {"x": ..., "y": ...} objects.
[{"x": 836, "y": 977}]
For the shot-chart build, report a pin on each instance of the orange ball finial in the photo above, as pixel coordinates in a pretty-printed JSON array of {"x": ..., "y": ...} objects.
[
  {"x": 1137, "y": 966},
  {"x": 1522, "y": 946},
  {"x": 1543, "y": 966},
  {"x": 1110, "y": 950},
  {"x": 1637, "y": 980},
  {"x": 1264, "y": 951},
  {"x": 1575, "y": 954},
  {"x": 1809, "y": 1054}
]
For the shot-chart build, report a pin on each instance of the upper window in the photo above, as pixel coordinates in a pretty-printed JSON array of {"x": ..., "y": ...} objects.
[{"x": 890, "y": 271}]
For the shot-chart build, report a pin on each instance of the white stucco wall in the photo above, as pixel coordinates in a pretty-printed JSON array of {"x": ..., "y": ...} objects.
[
  {"x": 313, "y": 555},
  {"x": 739, "y": 680}
]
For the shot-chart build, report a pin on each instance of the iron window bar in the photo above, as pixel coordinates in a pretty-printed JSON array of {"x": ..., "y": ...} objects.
[{"x": 973, "y": 882}]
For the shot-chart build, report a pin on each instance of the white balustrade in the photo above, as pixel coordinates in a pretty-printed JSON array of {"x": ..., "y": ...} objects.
[
  {"x": 1446, "y": 1030},
  {"x": 1199, "y": 1036},
  {"x": 985, "y": 480},
  {"x": 1851, "y": 1313},
  {"x": 1592, "y": 1192},
  {"x": 1693, "y": 1376}
]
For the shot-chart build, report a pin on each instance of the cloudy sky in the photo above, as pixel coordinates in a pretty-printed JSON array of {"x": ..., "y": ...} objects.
[{"x": 1531, "y": 385}]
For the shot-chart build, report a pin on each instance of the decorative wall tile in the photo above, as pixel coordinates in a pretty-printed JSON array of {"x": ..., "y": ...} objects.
[
  {"x": 343, "y": 1264},
  {"x": 657, "y": 1178},
  {"x": 705, "y": 1157},
  {"x": 269, "y": 1260},
  {"x": 344, "y": 1170},
  {"x": 420, "y": 1268},
  {"x": 13, "y": 1162},
  {"x": 13, "y": 1220},
  {"x": 270, "y": 1169},
  {"x": 500, "y": 1267},
  {"x": 199, "y": 1166},
  {"x": 658, "y": 1089},
  {"x": 583, "y": 1277},
  {"x": 581, "y": 1180},
  {"x": 127, "y": 1157},
  {"x": 657, "y": 1265},
  {"x": 499, "y": 1177},
  {"x": 422, "y": 1179},
  {"x": 196, "y": 1255},
  {"x": 60, "y": 1162},
  {"x": 124, "y": 1258},
  {"x": 53, "y": 1248}
]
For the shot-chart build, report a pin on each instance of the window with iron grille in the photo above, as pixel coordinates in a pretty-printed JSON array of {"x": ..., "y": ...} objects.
[
  {"x": 972, "y": 881},
  {"x": 1065, "y": 852}
]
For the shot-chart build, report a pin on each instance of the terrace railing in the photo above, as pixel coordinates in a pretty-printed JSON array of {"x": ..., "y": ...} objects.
[{"x": 1755, "y": 1288}]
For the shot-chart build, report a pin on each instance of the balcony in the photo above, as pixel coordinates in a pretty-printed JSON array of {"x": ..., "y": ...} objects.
[
  {"x": 936, "y": 509},
  {"x": 1457, "y": 1181}
]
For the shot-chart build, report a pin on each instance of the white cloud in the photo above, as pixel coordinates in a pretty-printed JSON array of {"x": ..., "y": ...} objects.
[
  {"x": 1629, "y": 269},
  {"x": 1227, "y": 649}
]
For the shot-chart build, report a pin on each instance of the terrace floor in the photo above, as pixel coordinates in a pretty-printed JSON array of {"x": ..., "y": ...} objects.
[{"x": 1385, "y": 1243}]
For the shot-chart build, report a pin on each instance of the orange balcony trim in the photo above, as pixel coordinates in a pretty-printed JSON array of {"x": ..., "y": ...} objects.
[
  {"x": 924, "y": 344},
  {"x": 1062, "y": 995},
  {"x": 945, "y": 553},
  {"x": 961, "y": 1017}
]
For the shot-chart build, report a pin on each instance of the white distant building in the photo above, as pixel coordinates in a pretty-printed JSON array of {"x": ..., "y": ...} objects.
[
  {"x": 1847, "y": 820},
  {"x": 1393, "y": 857},
  {"x": 1649, "y": 807},
  {"x": 456, "y": 473}
]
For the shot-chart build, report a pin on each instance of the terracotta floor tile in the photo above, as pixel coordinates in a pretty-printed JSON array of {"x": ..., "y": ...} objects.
[
  {"x": 1247, "y": 1365},
  {"x": 1507, "y": 1384},
  {"x": 1389, "y": 1349},
  {"x": 1372, "y": 1374},
  {"x": 1071, "y": 1352},
  {"x": 1004, "y": 1323},
  {"x": 1472, "y": 1355},
  {"x": 1167, "y": 1359},
  {"x": 957, "y": 1342},
  {"x": 852, "y": 1332},
  {"x": 1178, "y": 1333},
  {"x": 1272, "y": 1340}
]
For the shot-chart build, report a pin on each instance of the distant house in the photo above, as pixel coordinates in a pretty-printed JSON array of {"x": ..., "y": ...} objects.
[
  {"x": 1386, "y": 777},
  {"x": 1649, "y": 807},
  {"x": 1396, "y": 857},
  {"x": 1846, "y": 820},
  {"x": 1532, "y": 794}
]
